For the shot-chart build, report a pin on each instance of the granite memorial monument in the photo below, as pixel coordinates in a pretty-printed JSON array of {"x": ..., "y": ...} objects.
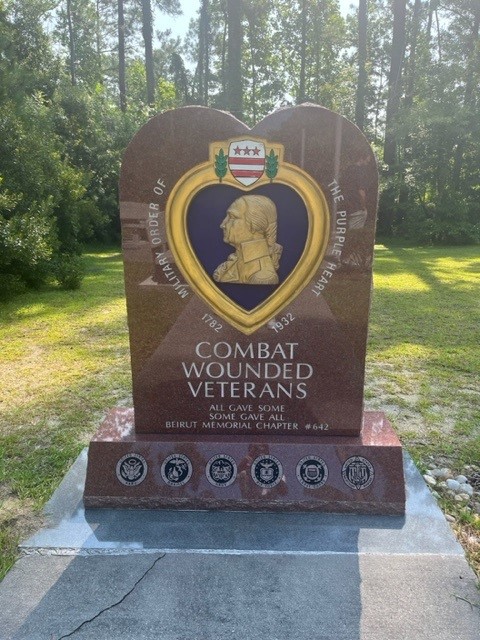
[{"x": 248, "y": 272}]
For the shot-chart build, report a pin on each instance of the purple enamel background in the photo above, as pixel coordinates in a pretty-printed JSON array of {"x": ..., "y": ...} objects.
[{"x": 205, "y": 215}]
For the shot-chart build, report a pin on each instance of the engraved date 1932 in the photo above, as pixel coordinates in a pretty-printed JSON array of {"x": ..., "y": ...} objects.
[{"x": 280, "y": 324}]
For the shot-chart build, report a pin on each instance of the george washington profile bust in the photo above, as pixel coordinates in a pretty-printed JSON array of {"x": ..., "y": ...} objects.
[{"x": 251, "y": 227}]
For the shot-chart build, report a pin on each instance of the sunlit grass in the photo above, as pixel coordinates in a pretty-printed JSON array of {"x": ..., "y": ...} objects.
[{"x": 424, "y": 346}]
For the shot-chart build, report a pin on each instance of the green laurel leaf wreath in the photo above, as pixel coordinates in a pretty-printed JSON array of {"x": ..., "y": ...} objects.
[
  {"x": 271, "y": 168},
  {"x": 221, "y": 164}
]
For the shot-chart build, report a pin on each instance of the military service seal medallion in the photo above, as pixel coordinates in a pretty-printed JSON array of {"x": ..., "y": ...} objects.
[{"x": 132, "y": 469}]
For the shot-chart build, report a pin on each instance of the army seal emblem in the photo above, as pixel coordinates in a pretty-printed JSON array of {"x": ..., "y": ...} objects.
[{"x": 132, "y": 469}]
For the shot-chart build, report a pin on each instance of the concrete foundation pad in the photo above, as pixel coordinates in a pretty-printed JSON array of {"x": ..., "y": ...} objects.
[{"x": 108, "y": 574}]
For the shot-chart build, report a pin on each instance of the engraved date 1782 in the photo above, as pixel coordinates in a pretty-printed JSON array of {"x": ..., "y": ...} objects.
[{"x": 210, "y": 320}]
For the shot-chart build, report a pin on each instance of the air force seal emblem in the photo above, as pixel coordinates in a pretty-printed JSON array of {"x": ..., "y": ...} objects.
[{"x": 266, "y": 471}]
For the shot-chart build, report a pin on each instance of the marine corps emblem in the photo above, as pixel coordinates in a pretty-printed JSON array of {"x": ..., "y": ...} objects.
[{"x": 176, "y": 470}]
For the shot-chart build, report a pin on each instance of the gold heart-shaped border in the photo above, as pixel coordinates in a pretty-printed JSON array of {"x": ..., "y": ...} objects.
[{"x": 202, "y": 176}]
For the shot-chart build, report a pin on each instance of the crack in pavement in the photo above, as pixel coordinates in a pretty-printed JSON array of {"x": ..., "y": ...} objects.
[{"x": 115, "y": 604}]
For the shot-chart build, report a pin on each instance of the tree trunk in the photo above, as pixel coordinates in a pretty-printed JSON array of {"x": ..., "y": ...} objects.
[
  {"x": 430, "y": 19},
  {"x": 147, "y": 32},
  {"x": 71, "y": 43},
  {"x": 439, "y": 40},
  {"x": 303, "y": 54},
  {"x": 234, "y": 58},
  {"x": 200, "y": 71},
  {"x": 224, "y": 59},
  {"x": 98, "y": 31},
  {"x": 253, "y": 71},
  {"x": 122, "y": 85},
  {"x": 203, "y": 53},
  {"x": 410, "y": 89},
  {"x": 207, "y": 50},
  {"x": 395, "y": 81},
  {"x": 471, "y": 74},
  {"x": 362, "y": 64},
  {"x": 180, "y": 79}
]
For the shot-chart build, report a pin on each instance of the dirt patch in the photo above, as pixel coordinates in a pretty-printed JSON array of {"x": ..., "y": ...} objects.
[{"x": 19, "y": 515}]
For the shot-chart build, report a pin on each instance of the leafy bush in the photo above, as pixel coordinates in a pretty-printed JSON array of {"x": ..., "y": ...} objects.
[
  {"x": 68, "y": 271},
  {"x": 451, "y": 222},
  {"x": 26, "y": 246},
  {"x": 10, "y": 286},
  {"x": 91, "y": 222}
]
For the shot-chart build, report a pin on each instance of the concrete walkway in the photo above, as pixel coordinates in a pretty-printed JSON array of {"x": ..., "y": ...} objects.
[{"x": 111, "y": 574}]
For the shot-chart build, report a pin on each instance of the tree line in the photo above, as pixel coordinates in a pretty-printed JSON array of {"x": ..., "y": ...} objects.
[{"x": 79, "y": 77}]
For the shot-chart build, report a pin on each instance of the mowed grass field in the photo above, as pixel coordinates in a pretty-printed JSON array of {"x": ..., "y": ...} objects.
[{"x": 65, "y": 362}]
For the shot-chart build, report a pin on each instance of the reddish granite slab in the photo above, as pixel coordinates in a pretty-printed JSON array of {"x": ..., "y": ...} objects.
[
  {"x": 361, "y": 474},
  {"x": 326, "y": 322}
]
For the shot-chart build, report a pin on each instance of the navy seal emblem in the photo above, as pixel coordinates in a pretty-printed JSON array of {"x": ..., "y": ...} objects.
[
  {"x": 131, "y": 469},
  {"x": 358, "y": 472},
  {"x": 312, "y": 472},
  {"x": 267, "y": 471},
  {"x": 176, "y": 470},
  {"x": 221, "y": 470}
]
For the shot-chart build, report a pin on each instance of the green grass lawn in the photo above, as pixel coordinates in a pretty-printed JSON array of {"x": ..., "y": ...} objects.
[
  {"x": 424, "y": 348},
  {"x": 65, "y": 361}
]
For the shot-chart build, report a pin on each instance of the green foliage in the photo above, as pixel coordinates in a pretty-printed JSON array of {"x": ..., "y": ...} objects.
[
  {"x": 271, "y": 165},
  {"x": 452, "y": 221},
  {"x": 165, "y": 93},
  {"x": 221, "y": 164},
  {"x": 68, "y": 271},
  {"x": 39, "y": 192},
  {"x": 10, "y": 285}
]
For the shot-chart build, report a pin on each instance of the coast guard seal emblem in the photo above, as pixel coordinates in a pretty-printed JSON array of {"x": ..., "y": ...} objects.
[{"x": 312, "y": 472}]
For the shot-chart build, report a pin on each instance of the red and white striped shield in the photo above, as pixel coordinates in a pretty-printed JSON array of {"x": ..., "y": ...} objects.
[{"x": 246, "y": 160}]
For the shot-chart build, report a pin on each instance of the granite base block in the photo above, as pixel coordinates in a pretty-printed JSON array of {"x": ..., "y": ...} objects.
[{"x": 362, "y": 474}]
